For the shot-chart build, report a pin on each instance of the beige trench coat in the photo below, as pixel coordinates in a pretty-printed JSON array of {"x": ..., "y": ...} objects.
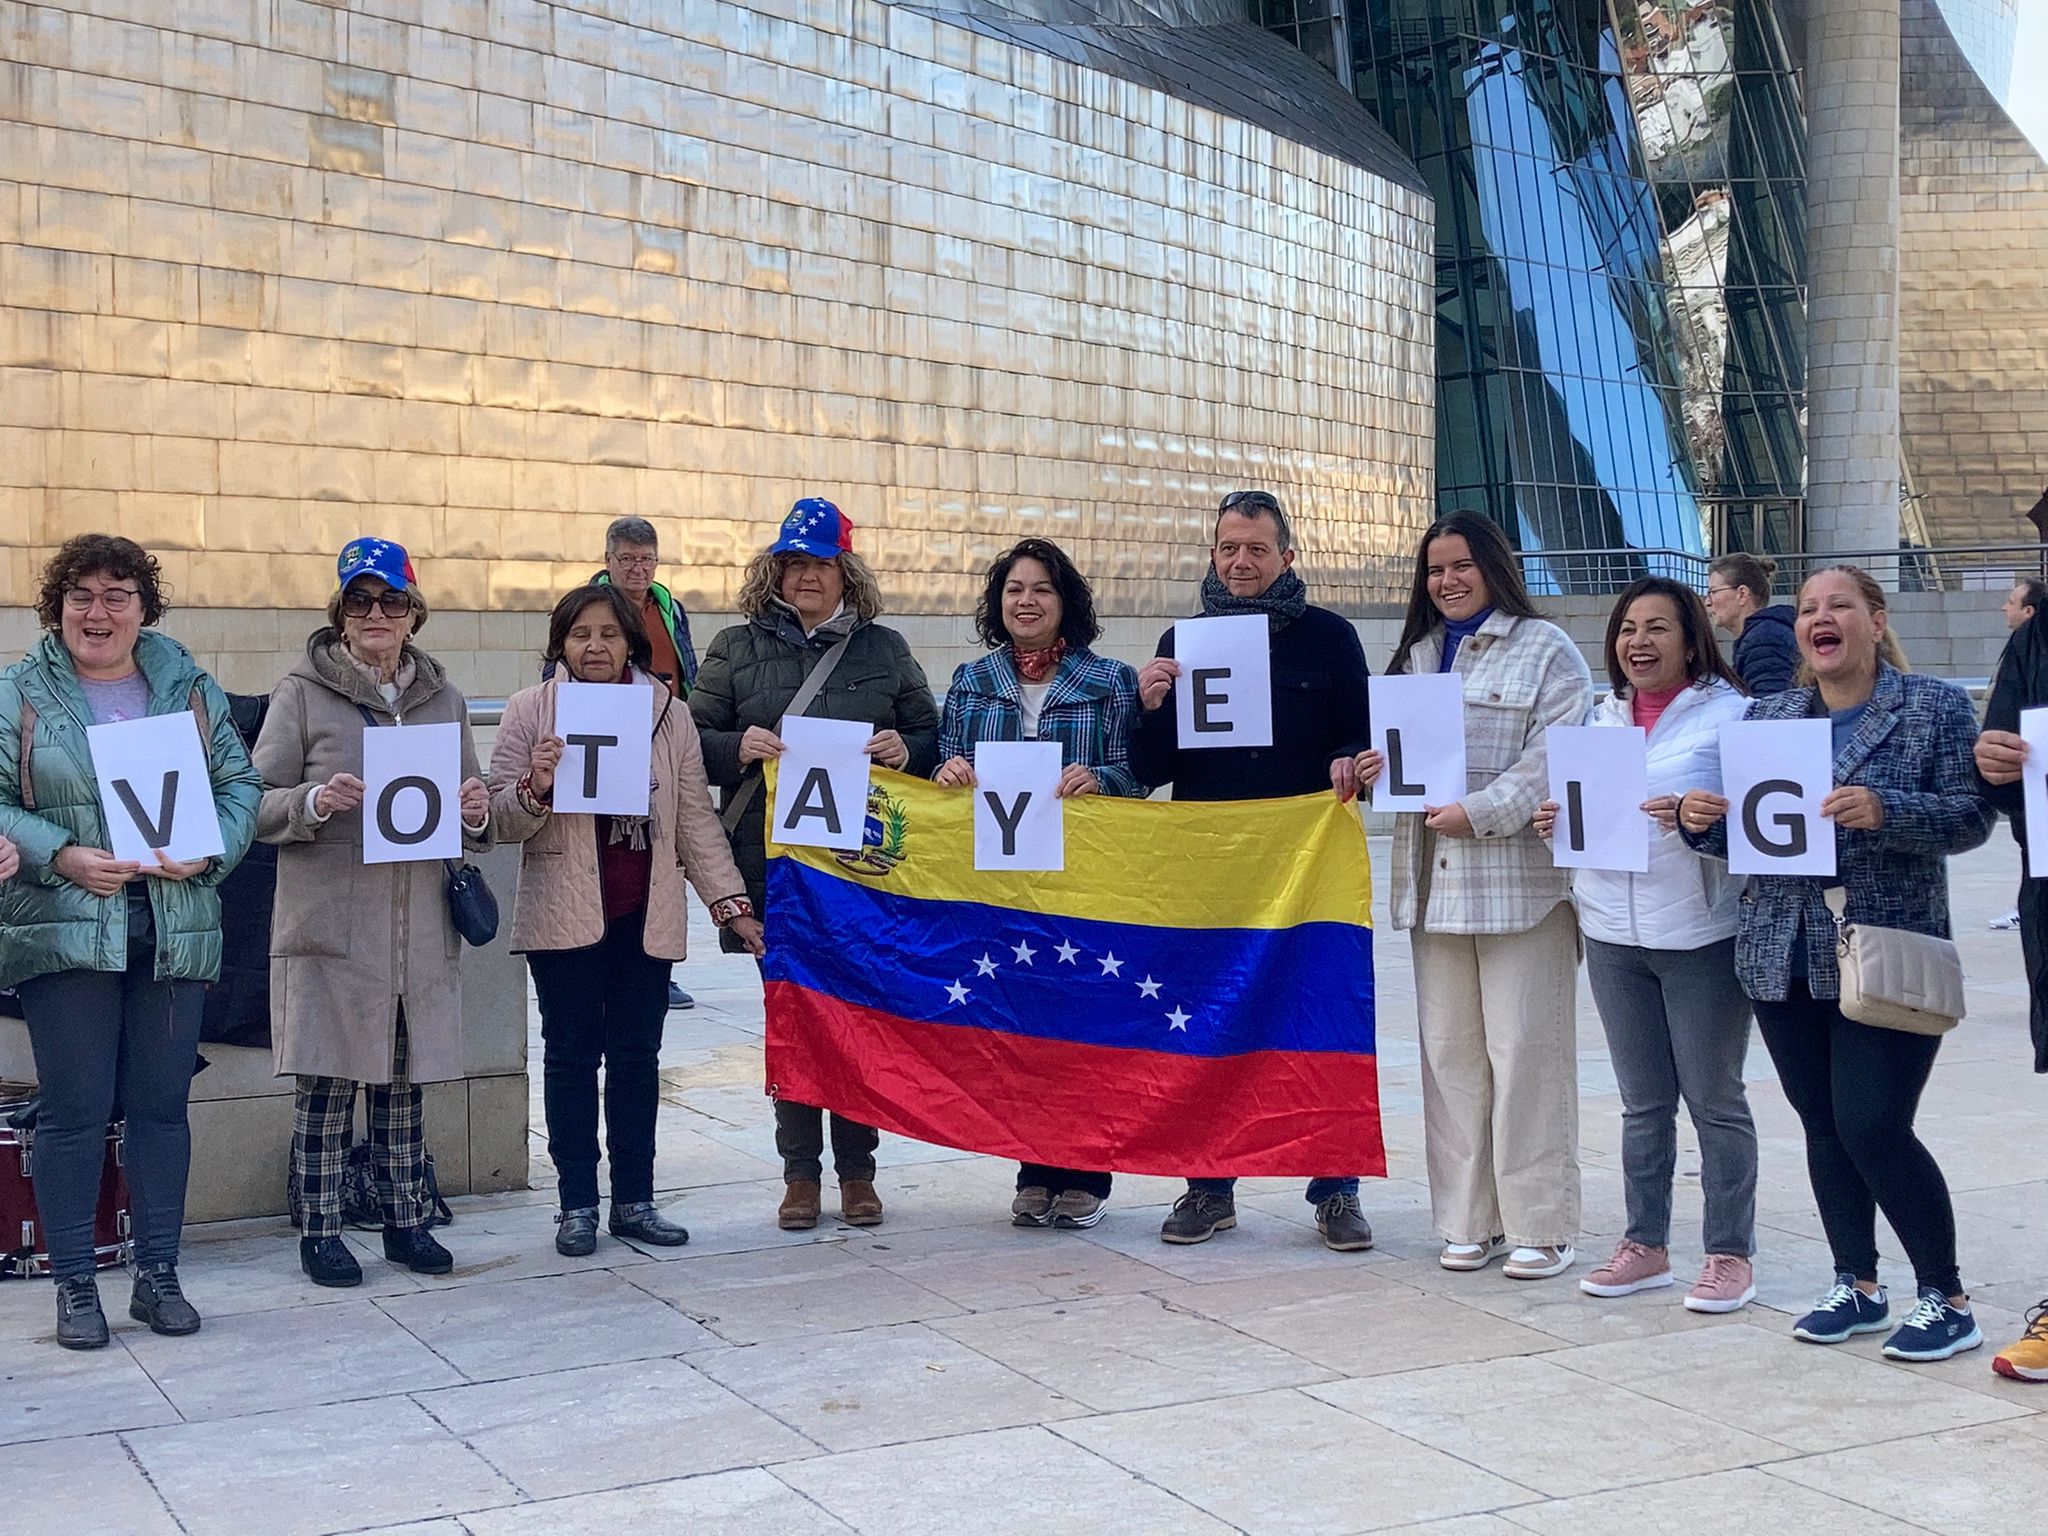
[
  {"x": 560, "y": 904},
  {"x": 349, "y": 941}
]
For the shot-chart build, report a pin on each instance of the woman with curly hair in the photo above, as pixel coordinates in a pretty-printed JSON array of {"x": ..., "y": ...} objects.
[
  {"x": 110, "y": 957},
  {"x": 1040, "y": 682},
  {"x": 810, "y": 603}
]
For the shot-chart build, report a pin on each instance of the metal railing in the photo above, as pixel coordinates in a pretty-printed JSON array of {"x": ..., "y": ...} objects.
[{"x": 1942, "y": 568}]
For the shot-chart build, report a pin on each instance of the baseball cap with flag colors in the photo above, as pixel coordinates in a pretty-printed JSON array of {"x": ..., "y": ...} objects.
[
  {"x": 814, "y": 527},
  {"x": 375, "y": 557}
]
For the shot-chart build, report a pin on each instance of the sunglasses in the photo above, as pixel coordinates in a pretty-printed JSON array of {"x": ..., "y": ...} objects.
[
  {"x": 1261, "y": 499},
  {"x": 391, "y": 603}
]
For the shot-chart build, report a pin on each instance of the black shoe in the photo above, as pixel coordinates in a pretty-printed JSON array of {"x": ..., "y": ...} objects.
[
  {"x": 80, "y": 1322},
  {"x": 641, "y": 1221},
  {"x": 159, "y": 1301},
  {"x": 576, "y": 1232},
  {"x": 327, "y": 1261},
  {"x": 1343, "y": 1224},
  {"x": 1198, "y": 1216},
  {"x": 678, "y": 998},
  {"x": 415, "y": 1248}
]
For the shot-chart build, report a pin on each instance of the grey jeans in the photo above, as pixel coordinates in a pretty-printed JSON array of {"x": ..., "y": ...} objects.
[{"x": 1678, "y": 1027}]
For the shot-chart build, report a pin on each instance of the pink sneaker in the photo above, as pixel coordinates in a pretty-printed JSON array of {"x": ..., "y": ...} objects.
[
  {"x": 1633, "y": 1268},
  {"x": 1727, "y": 1284}
]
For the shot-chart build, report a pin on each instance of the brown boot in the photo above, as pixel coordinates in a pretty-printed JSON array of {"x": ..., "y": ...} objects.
[
  {"x": 859, "y": 1205},
  {"x": 799, "y": 1212}
]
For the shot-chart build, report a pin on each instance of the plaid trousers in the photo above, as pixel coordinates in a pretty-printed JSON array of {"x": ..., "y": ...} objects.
[{"x": 323, "y": 1119}]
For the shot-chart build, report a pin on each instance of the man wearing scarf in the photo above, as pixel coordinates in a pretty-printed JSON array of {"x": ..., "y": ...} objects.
[{"x": 1319, "y": 722}]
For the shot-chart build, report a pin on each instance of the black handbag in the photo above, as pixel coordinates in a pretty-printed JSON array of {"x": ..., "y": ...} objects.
[{"x": 472, "y": 905}]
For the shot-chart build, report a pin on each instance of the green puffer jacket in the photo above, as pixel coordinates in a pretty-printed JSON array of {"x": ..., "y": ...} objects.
[{"x": 52, "y": 925}]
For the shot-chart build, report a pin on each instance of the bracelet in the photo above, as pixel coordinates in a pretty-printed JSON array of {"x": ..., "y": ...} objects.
[
  {"x": 529, "y": 802},
  {"x": 728, "y": 908}
]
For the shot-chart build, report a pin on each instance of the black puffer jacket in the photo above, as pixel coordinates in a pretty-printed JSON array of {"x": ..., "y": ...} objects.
[
  {"x": 1767, "y": 652},
  {"x": 752, "y": 671},
  {"x": 2023, "y": 684}
]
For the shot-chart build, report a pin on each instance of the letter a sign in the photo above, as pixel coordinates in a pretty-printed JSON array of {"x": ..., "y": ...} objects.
[
  {"x": 821, "y": 783},
  {"x": 1776, "y": 773},
  {"x": 156, "y": 794}
]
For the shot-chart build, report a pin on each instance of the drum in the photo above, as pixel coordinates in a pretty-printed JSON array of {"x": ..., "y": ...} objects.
[{"x": 23, "y": 1247}]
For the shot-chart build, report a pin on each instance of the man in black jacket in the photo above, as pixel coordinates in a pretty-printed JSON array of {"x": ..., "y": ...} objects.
[{"x": 1319, "y": 725}]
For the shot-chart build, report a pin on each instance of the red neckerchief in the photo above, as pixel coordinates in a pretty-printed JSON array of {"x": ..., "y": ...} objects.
[{"x": 1037, "y": 666}]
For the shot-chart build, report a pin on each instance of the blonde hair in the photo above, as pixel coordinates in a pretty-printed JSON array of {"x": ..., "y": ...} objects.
[
  {"x": 1889, "y": 651},
  {"x": 762, "y": 584},
  {"x": 412, "y": 594}
]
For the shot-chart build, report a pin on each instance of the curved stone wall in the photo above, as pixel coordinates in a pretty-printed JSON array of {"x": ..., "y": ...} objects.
[{"x": 274, "y": 273}]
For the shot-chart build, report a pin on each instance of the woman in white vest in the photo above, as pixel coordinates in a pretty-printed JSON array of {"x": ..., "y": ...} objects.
[{"x": 1660, "y": 955}]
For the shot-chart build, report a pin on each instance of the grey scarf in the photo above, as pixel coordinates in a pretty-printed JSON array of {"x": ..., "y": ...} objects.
[{"x": 1282, "y": 603}]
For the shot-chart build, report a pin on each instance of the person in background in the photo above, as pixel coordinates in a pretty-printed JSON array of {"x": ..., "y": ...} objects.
[
  {"x": 1319, "y": 724},
  {"x": 632, "y": 554},
  {"x": 365, "y": 975},
  {"x": 2001, "y": 755},
  {"x": 2029, "y": 595},
  {"x": 799, "y": 599},
  {"x": 601, "y": 915},
  {"x": 1660, "y": 954},
  {"x": 110, "y": 957},
  {"x": 1739, "y": 597},
  {"x": 1906, "y": 797},
  {"x": 1040, "y": 682},
  {"x": 1494, "y": 941}
]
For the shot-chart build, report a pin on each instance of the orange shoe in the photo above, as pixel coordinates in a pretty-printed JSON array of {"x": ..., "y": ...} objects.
[{"x": 2028, "y": 1359}]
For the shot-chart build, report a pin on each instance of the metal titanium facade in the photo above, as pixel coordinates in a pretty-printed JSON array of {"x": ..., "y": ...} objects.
[
  {"x": 482, "y": 274},
  {"x": 1620, "y": 234}
]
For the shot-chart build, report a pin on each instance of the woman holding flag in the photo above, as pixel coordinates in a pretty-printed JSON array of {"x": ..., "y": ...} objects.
[{"x": 1040, "y": 682}]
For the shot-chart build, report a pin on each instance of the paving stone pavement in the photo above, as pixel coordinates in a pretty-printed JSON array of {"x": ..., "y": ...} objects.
[{"x": 946, "y": 1373}]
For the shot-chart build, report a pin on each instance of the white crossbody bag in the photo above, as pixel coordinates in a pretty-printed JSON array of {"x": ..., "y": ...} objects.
[{"x": 1893, "y": 978}]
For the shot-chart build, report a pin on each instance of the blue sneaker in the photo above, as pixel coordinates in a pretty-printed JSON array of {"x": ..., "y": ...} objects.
[
  {"x": 1935, "y": 1331},
  {"x": 1843, "y": 1313}
]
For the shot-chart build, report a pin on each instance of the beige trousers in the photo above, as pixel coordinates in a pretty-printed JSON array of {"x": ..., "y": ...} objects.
[{"x": 1498, "y": 1014}]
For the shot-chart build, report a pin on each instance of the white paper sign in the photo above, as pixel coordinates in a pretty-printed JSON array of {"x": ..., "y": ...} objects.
[
  {"x": 608, "y": 753},
  {"x": 1418, "y": 726},
  {"x": 1776, "y": 773},
  {"x": 1224, "y": 696},
  {"x": 2034, "y": 782},
  {"x": 1019, "y": 820},
  {"x": 821, "y": 783},
  {"x": 155, "y": 790},
  {"x": 412, "y": 793},
  {"x": 1600, "y": 777}
]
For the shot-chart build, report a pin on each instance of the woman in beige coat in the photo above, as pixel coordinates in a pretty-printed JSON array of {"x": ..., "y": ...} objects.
[
  {"x": 602, "y": 915},
  {"x": 365, "y": 982}
]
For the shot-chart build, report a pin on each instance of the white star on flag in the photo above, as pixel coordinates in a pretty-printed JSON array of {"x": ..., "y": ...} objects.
[
  {"x": 1111, "y": 966},
  {"x": 1148, "y": 988},
  {"x": 1177, "y": 1019},
  {"x": 1066, "y": 952},
  {"x": 1023, "y": 952},
  {"x": 956, "y": 993},
  {"x": 985, "y": 966}
]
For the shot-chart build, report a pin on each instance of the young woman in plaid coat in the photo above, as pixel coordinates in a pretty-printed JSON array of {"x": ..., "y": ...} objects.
[{"x": 1040, "y": 682}]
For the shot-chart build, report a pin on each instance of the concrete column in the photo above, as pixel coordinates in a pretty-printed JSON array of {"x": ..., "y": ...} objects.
[{"x": 1852, "y": 249}]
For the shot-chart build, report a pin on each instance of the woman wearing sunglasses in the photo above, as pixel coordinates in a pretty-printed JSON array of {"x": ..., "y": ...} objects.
[{"x": 366, "y": 988}]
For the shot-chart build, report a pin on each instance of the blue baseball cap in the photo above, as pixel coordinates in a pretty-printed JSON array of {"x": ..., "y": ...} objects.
[
  {"x": 375, "y": 557},
  {"x": 814, "y": 527}
]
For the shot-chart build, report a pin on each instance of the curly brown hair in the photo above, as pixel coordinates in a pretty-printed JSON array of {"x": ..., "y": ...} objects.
[{"x": 87, "y": 553}]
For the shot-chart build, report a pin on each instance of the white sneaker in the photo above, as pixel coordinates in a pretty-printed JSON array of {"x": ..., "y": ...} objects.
[
  {"x": 1539, "y": 1263},
  {"x": 1472, "y": 1255},
  {"x": 2003, "y": 924}
]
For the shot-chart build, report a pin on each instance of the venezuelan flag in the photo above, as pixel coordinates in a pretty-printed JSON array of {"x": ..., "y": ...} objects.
[{"x": 1191, "y": 995}]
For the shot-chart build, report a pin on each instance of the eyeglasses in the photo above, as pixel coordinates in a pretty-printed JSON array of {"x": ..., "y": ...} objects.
[
  {"x": 1719, "y": 591},
  {"x": 114, "y": 599},
  {"x": 636, "y": 562},
  {"x": 391, "y": 603}
]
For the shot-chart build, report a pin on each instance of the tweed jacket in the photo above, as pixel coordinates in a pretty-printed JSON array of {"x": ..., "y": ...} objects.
[
  {"x": 560, "y": 902},
  {"x": 1913, "y": 746},
  {"x": 1089, "y": 710},
  {"x": 1521, "y": 677}
]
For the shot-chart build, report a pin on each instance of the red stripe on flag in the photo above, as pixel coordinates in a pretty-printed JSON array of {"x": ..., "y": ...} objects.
[{"x": 1305, "y": 1113}]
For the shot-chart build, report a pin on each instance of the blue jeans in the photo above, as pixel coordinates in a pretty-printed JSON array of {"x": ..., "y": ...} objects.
[{"x": 1319, "y": 1190}]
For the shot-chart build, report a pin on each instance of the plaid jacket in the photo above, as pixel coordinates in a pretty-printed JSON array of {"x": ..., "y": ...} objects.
[
  {"x": 1913, "y": 746},
  {"x": 1089, "y": 710},
  {"x": 1522, "y": 676}
]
